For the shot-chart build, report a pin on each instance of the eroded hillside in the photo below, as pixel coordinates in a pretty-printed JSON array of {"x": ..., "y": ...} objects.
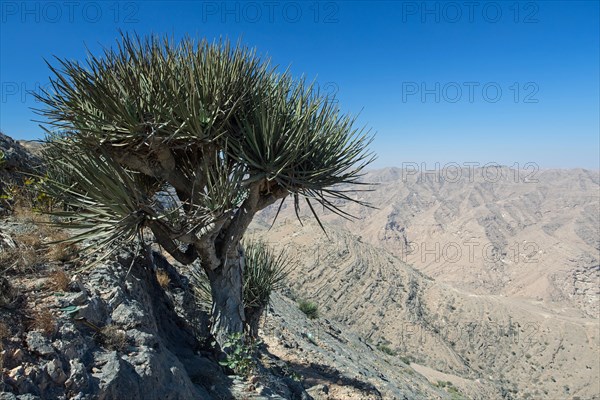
[
  {"x": 518, "y": 233},
  {"x": 488, "y": 346}
]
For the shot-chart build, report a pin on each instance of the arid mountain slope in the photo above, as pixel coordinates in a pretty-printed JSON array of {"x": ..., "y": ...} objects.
[
  {"x": 490, "y": 346},
  {"x": 528, "y": 234}
]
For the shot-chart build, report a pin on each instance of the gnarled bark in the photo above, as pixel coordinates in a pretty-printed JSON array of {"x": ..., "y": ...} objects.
[
  {"x": 221, "y": 255},
  {"x": 226, "y": 285}
]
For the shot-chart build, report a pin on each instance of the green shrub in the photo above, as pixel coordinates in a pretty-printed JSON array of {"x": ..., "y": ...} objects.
[
  {"x": 309, "y": 308},
  {"x": 406, "y": 360},
  {"x": 265, "y": 272},
  {"x": 387, "y": 350},
  {"x": 27, "y": 195},
  {"x": 239, "y": 354}
]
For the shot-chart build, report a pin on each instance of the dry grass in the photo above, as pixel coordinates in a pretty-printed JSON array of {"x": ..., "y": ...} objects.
[
  {"x": 4, "y": 334},
  {"x": 60, "y": 251},
  {"x": 59, "y": 281},
  {"x": 7, "y": 292},
  {"x": 27, "y": 255},
  {"x": 43, "y": 320},
  {"x": 113, "y": 338},
  {"x": 23, "y": 258},
  {"x": 163, "y": 279},
  {"x": 36, "y": 248}
]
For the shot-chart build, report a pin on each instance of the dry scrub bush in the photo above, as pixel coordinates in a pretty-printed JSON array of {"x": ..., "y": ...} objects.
[
  {"x": 59, "y": 281},
  {"x": 22, "y": 258},
  {"x": 59, "y": 250},
  {"x": 35, "y": 248},
  {"x": 43, "y": 320},
  {"x": 163, "y": 279},
  {"x": 28, "y": 253}
]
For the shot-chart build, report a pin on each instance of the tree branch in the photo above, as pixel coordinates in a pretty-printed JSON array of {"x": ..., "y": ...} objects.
[
  {"x": 132, "y": 161},
  {"x": 260, "y": 195},
  {"x": 271, "y": 196},
  {"x": 170, "y": 172},
  {"x": 242, "y": 218},
  {"x": 163, "y": 236}
]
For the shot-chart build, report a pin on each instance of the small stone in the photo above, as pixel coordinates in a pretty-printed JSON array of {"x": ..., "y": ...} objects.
[
  {"x": 78, "y": 380},
  {"x": 79, "y": 298},
  {"x": 72, "y": 299},
  {"x": 76, "y": 285},
  {"x": 27, "y": 396},
  {"x": 55, "y": 371},
  {"x": 16, "y": 373},
  {"x": 114, "y": 297},
  {"x": 94, "y": 311},
  {"x": 128, "y": 315},
  {"x": 318, "y": 389},
  {"x": 39, "y": 344}
]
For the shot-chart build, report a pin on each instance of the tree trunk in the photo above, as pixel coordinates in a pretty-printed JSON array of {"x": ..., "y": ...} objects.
[
  {"x": 226, "y": 284},
  {"x": 253, "y": 315}
]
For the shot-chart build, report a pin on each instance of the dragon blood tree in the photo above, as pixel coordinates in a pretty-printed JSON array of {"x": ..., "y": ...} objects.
[{"x": 190, "y": 140}]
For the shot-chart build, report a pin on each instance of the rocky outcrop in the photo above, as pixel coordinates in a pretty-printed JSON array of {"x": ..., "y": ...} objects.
[
  {"x": 118, "y": 336},
  {"x": 15, "y": 163},
  {"x": 16, "y": 157}
]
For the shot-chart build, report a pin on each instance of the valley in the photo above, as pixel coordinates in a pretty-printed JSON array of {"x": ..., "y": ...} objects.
[{"x": 520, "y": 320}]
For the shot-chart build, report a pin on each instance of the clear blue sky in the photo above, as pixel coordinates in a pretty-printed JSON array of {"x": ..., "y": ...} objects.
[{"x": 487, "y": 81}]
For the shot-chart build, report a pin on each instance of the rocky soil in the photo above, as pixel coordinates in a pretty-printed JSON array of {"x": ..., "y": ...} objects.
[{"x": 114, "y": 332}]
